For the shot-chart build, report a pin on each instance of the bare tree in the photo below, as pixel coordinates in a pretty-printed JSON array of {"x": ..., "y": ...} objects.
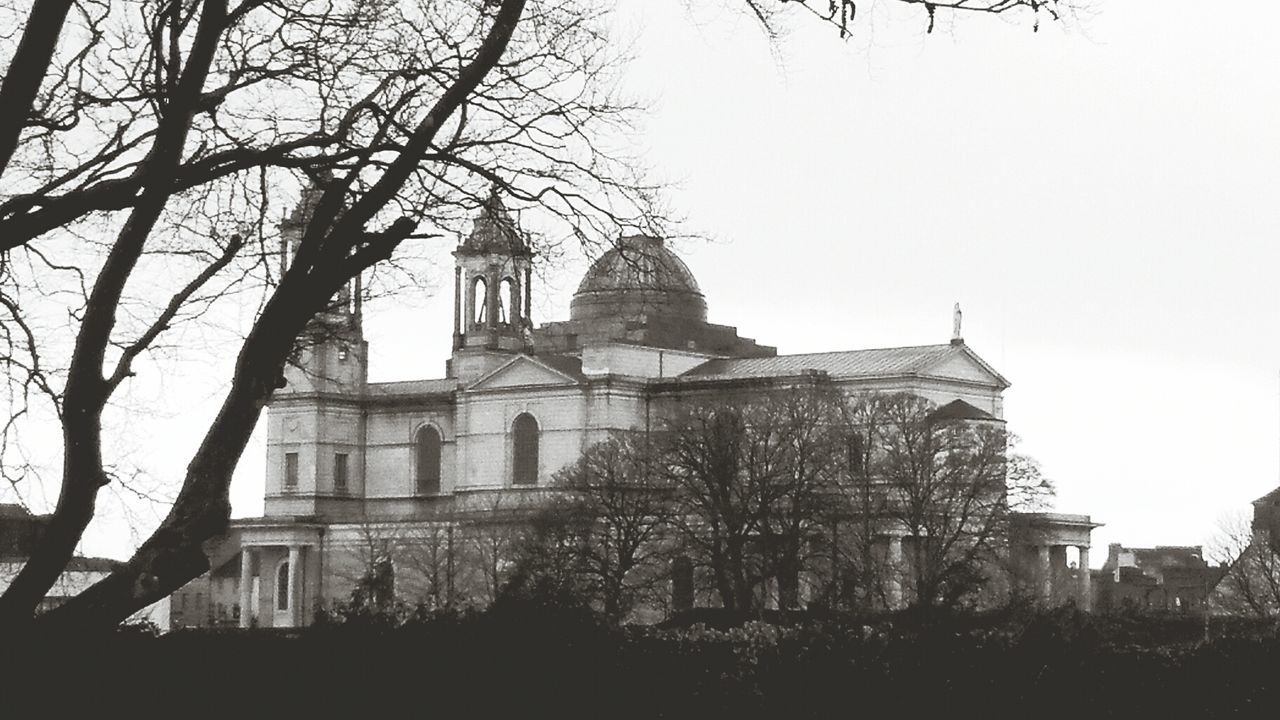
[
  {"x": 753, "y": 480},
  {"x": 492, "y": 539},
  {"x": 368, "y": 569},
  {"x": 432, "y": 557},
  {"x": 800, "y": 505},
  {"x": 618, "y": 503},
  {"x": 951, "y": 484},
  {"x": 1251, "y": 585},
  {"x": 858, "y": 570}
]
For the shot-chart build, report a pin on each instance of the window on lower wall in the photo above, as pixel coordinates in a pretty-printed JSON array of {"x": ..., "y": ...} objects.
[
  {"x": 524, "y": 450},
  {"x": 282, "y": 586},
  {"x": 291, "y": 471},
  {"x": 340, "y": 464},
  {"x": 427, "y": 463}
]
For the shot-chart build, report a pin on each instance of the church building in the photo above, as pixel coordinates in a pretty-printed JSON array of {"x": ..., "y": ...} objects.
[{"x": 351, "y": 463}]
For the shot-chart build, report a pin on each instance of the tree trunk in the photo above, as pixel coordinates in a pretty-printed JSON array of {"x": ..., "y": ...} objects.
[
  {"x": 174, "y": 554},
  {"x": 27, "y": 69}
]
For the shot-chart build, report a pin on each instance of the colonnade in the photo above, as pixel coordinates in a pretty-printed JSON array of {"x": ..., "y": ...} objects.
[
  {"x": 1050, "y": 563},
  {"x": 293, "y": 605}
]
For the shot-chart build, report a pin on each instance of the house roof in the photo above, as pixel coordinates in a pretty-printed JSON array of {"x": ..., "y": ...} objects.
[
  {"x": 1168, "y": 556},
  {"x": 916, "y": 360}
]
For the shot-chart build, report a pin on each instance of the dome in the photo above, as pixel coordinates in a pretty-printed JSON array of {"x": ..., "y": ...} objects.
[{"x": 638, "y": 278}]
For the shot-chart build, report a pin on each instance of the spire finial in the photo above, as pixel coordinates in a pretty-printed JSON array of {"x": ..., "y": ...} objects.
[{"x": 956, "y": 337}]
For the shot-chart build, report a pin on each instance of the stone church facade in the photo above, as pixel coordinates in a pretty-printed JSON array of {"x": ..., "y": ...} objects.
[{"x": 351, "y": 463}]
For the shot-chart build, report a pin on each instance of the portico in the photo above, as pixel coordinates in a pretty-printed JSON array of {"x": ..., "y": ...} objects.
[
  {"x": 284, "y": 558},
  {"x": 1040, "y": 542}
]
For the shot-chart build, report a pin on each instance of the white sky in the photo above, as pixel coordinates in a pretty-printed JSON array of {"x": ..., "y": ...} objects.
[{"x": 1101, "y": 199}]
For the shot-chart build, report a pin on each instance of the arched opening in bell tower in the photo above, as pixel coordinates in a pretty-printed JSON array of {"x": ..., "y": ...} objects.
[
  {"x": 508, "y": 302},
  {"x": 479, "y": 301}
]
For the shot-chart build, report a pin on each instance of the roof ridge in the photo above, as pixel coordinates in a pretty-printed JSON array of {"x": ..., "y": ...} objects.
[
  {"x": 405, "y": 382},
  {"x": 941, "y": 345},
  {"x": 841, "y": 352}
]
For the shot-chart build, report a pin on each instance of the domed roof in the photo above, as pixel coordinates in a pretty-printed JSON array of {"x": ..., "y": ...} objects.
[
  {"x": 494, "y": 232},
  {"x": 639, "y": 277}
]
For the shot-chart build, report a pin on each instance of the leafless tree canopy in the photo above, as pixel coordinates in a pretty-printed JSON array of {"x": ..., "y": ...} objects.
[
  {"x": 1251, "y": 585},
  {"x": 952, "y": 485},
  {"x": 802, "y": 486}
]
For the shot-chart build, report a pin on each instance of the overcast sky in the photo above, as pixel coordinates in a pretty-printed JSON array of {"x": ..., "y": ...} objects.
[{"x": 1101, "y": 198}]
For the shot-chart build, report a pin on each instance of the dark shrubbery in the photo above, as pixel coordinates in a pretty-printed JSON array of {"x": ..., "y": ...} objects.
[{"x": 535, "y": 659}]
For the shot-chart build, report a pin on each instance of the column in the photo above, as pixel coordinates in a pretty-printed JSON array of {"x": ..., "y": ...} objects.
[
  {"x": 492, "y": 289},
  {"x": 1086, "y": 580},
  {"x": 295, "y": 594},
  {"x": 246, "y": 587},
  {"x": 1046, "y": 573},
  {"x": 528, "y": 296},
  {"x": 458, "y": 304},
  {"x": 468, "y": 305},
  {"x": 1058, "y": 571},
  {"x": 894, "y": 568}
]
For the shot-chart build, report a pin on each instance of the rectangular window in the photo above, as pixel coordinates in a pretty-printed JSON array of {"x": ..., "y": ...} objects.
[
  {"x": 340, "y": 472},
  {"x": 291, "y": 471}
]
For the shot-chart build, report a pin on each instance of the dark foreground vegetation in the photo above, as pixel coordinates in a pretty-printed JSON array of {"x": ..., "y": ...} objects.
[{"x": 541, "y": 662}]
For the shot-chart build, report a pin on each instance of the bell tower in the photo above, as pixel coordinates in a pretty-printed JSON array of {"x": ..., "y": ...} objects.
[
  {"x": 492, "y": 274},
  {"x": 332, "y": 355},
  {"x": 315, "y": 423}
]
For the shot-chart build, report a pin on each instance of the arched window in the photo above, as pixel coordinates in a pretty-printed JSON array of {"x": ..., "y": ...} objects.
[
  {"x": 507, "y": 300},
  {"x": 480, "y": 301},
  {"x": 524, "y": 450},
  {"x": 282, "y": 586},
  {"x": 427, "y": 449}
]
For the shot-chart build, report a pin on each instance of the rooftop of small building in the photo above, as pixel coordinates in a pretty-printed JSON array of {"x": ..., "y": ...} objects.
[
  {"x": 961, "y": 410},
  {"x": 1160, "y": 556}
]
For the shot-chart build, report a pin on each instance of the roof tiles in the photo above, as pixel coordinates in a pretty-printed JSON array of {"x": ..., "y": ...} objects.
[{"x": 851, "y": 363}]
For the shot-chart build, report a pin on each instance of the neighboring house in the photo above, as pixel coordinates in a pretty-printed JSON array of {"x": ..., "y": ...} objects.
[
  {"x": 351, "y": 463},
  {"x": 1165, "y": 577},
  {"x": 19, "y": 532}
]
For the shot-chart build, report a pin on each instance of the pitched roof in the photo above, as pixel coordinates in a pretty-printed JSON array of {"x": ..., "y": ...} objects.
[
  {"x": 413, "y": 387},
  {"x": 916, "y": 360},
  {"x": 961, "y": 410},
  {"x": 567, "y": 364}
]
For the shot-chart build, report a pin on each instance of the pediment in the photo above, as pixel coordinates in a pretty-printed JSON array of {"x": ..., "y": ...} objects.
[
  {"x": 523, "y": 371},
  {"x": 966, "y": 366}
]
